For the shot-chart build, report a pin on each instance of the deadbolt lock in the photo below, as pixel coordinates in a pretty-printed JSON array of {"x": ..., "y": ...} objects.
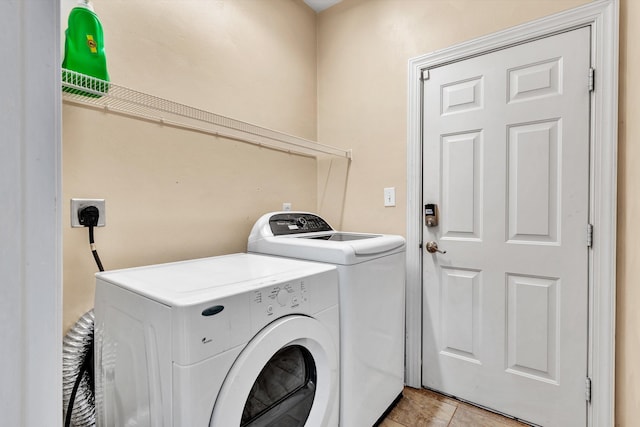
[{"x": 431, "y": 214}]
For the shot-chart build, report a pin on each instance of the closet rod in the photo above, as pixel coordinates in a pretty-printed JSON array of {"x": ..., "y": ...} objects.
[{"x": 99, "y": 94}]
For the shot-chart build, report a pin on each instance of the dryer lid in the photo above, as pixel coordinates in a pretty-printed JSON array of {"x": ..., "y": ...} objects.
[
  {"x": 305, "y": 235},
  {"x": 191, "y": 282}
]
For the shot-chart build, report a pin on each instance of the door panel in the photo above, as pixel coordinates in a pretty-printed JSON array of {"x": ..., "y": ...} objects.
[
  {"x": 460, "y": 313},
  {"x": 506, "y": 158},
  {"x": 460, "y": 182},
  {"x": 532, "y": 323}
]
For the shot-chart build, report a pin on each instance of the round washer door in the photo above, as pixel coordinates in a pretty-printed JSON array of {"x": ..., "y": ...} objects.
[{"x": 305, "y": 336}]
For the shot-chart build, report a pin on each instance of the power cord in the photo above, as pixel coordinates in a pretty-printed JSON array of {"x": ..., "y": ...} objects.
[{"x": 87, "y": 216}]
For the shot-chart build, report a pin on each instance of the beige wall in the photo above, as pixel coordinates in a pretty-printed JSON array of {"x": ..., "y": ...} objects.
[
  {"x": 173, "y": 194},
  {"x": 363, "y": 52},
  {"x": 169, "y": 192},
  {"x": 628, "y": 268},
  {"x": 363, "y": 49}
]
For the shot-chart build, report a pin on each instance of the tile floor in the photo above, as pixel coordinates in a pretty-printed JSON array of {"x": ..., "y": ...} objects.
[{"x": 424, "y": 408}]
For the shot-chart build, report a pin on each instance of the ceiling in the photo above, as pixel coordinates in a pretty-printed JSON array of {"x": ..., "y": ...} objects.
[{"x": 320, "y": 5}]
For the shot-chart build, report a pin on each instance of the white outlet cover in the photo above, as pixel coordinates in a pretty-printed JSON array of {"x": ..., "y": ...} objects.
[
  {"x": 77, "y": 204},
  {"x": 390, "y": 196}
]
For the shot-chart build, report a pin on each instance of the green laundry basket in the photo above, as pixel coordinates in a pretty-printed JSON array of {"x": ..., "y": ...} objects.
[{"x": 84, "y": 52}]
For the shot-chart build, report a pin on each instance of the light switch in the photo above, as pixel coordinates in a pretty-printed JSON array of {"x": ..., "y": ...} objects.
[{"x": 390, "y": 196}]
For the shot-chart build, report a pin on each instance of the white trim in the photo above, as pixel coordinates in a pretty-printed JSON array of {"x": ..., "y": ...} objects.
[
  {"x": 602, "y": 16},
  {"x": 30, "y": 230},
  {"x": 413, "y": 287}
]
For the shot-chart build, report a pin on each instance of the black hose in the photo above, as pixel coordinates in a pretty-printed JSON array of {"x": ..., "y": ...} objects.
[
  {"x": 87, "y": 360},
  {"x": 76, "y": 346}
]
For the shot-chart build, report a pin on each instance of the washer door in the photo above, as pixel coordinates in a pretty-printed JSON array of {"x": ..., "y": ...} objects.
[{"x": 286, "y": 376}]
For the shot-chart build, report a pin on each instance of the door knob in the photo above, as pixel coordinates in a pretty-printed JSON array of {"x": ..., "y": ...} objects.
[{"x": 432, "y": 248}]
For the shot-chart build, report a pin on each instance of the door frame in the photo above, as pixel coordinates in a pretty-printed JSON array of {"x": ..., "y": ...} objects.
[
  {"x": 602, "y": 17},
  {"x": 31, "y": 189}
]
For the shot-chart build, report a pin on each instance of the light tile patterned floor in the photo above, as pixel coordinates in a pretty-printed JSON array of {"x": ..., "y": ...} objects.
[{"x": 424, "y": 408}]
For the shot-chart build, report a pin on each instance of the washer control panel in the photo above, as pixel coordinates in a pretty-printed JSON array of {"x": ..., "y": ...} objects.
[
  {"x": 297, "y": 222},
  {"x": 279, "y": 300},
  {"x": 216, "y": 325}
]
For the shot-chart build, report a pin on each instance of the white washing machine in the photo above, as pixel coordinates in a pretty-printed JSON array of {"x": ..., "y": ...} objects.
[
  {"x": 371, "y": 270},
  {"x": 237, "y": 340}
]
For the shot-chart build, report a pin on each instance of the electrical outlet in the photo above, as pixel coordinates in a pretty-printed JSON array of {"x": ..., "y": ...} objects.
[
  {"x": 77, "y": 204},
  {"x": 286, "y": 206}
]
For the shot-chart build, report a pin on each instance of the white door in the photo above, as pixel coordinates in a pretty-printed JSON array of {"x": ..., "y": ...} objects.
[{"x": 506, "y": 160}]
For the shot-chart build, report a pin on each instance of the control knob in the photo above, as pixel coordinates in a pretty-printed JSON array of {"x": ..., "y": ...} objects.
[{"x": 282, "y": 297}]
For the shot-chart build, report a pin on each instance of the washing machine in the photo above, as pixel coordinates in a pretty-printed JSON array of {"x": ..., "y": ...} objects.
[
  {"x": 237, "y": 340},
  {"x": 371, "y": 270}
]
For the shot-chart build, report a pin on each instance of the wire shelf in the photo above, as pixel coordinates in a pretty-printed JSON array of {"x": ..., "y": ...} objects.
[{"x": 92, "y": 92}]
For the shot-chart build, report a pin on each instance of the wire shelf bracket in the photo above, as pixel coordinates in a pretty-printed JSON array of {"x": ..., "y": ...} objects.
[{"x": 95, "y": 93}]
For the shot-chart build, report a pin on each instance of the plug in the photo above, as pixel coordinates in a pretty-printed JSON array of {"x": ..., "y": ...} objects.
[
  {"x": 80, "y": 218},
  {"x": 88, "y": 216}
]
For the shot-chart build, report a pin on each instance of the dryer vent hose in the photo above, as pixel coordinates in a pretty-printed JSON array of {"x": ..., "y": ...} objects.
[{"x": 76, "y": 347}]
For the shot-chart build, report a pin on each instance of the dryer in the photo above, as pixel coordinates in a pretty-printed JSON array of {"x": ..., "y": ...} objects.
[
  {"x": 371, "y": 270},
  {"x": 238, "y": 340}
]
